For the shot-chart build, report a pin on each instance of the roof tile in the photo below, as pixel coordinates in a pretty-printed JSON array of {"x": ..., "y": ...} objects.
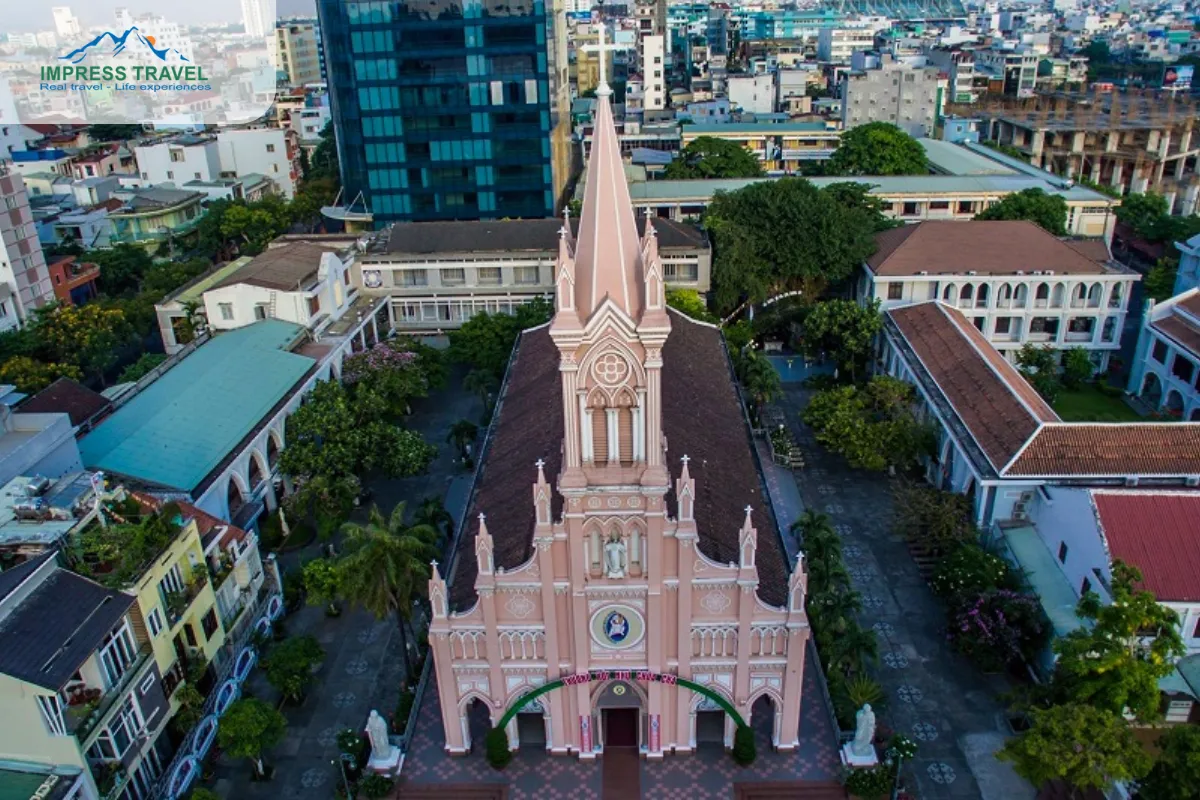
[
  {"x": 1111, "y": 450},
  {"x": 1157, "y": 532}
]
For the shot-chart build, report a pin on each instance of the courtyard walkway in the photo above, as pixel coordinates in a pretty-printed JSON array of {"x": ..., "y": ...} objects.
[
  {"x": 934, "y": 695},
  {"x": 362, "y": 664}
]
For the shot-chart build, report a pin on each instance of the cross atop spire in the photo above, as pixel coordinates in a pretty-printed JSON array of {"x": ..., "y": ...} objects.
[{"x": 600, "y": 49}]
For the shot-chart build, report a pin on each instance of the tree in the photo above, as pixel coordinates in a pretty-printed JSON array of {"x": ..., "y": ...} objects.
[
  {"x": 390, "y": 371},
  {"x": 744, "y": 751},
  {"x": 86, "y": 336},
  {"x": 31, "y": 376},
  {"x": 1176, "y": 773},
  {"x": 937, "y": 519},
  {"x": 322, "y": 584},
  {"x": 1144, "y": 212},
  {"x": 333, "y": 438},
  {"x": 248, "y": 728},
  {"x": 323, "y": 164},
  {"x": 485, "y": 341},
  {"x": 1160, "y": 281},
  {"x": 462, "y": 433},
  {"x": 873, "y": 427},
  {"x": 710, "y": 157},
  {"x": 844, "y": 329},
  {"x": 1116, "y": 663},
  {"x": 1088, "y": 747},
  {"x": 121, "y": 268},
  {"x": 759, "y": 377},
  {"x": 1077, "y": 367},
  {"x": 386, "y": 569},
  {"x": 482, "y": 383},
  {"x": 113, "y": 133},
  {"x": 140, "y": 368},
  {"x": 689, "y": 302},
  {"x": 786, "y": 235},
  {"x": 878, "y": 148},
  {"x": 1047, "y": 210},
  {"x": 496, "y": 746},
  {"x": 253, "y": 225},
  {"x": 1037, "y": 365},
  {"x": 311, "y": 197},
  {"x": 290, "y": 663},
  {"x": 432, "y": 512},
  {"x": 191, "y": 709}
]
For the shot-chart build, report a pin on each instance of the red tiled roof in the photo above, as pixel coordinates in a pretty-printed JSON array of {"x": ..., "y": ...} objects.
[
  {"x": 1181, "y": 329},
  {"x": 206, "y": 524},
  {"x": 988, "y": 247},
  {"x": 68, "y": 397},
  {"x": 1157, "y": 532},
  {"x": 997, "y": 406},
  {"x": 1111, "y": 450}
]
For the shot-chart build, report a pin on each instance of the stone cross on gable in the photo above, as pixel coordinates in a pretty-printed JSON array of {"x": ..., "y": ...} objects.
[
  {"x": 539, "y": 463},
  {"x": 600, "y": 48}
]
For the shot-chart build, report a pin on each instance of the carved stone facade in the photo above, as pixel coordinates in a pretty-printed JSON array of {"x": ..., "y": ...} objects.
[{"x": 617, "y": 580}]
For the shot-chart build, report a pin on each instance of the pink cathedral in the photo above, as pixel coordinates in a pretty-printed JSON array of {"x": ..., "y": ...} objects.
[{"x": 620, "y": 536}]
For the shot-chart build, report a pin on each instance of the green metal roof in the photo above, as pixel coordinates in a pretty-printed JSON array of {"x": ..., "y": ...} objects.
[
  {"x": 177, "y": 430},
  {"x": 192, "y": 292},
  {"x": 951, "y": 159},
  {"x": 1045, "y": 578}
]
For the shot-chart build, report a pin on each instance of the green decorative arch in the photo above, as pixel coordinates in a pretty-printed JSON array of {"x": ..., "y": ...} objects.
[{"x": 534, "y": 694}]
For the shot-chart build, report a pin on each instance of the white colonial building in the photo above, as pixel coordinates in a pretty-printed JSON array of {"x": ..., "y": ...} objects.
[
  {"x": 1166, "y": 367},
  {"x": 1014, "y": 281}
]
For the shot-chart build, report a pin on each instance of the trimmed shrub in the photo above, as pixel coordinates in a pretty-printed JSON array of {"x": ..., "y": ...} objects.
[
  {"x": 376, "y": 786},
  {"x": 498, "y": 754},
  {"x": 870, "y": 784},
  {"x": 744, "y": 751}
]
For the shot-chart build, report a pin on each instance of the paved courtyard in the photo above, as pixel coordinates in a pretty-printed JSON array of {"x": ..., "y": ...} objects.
[
  {"x": 707, "y": 775},
  {"x": 934, "y": 695},
  {"x": 361, "y": 669}
]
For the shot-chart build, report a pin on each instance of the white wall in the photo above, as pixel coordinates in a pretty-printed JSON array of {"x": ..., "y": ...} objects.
[
  {"x": 752, "y": 93},
  {"x": 1063, "y": 514},
  {"x": 200, "y": 162},
  {"x": 37, "y": 444},
  {"x": 261, "y": 150},
  {"x": 331, "y": 290}
]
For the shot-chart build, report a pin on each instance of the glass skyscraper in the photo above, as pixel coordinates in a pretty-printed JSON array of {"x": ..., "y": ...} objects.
[{"x": 449, "y": 109}]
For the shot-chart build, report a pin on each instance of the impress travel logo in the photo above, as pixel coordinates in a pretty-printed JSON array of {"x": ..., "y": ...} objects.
[{"x": 173, "y": 65}]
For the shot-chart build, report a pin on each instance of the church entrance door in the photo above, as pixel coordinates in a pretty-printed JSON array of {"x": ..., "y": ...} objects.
[
  {"x": 710, "y": 727},
  {"x": 531, "y": 730},
  {"x": 621, "y": 727}
]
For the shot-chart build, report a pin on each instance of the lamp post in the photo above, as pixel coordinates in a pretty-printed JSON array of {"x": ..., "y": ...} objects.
[{"x": 342, "y": 760}]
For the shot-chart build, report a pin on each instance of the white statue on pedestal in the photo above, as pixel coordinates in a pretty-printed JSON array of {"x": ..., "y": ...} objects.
[
  {"x": 864, "y": 731},
  {"x": 614, "y": 557},
  {"x": 377, "y": 732}
]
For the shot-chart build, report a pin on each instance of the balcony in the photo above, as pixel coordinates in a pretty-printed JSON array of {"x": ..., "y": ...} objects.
[
  {"x": 82, "y": 719},
  {"x": 111, "y": 778},
  {"x": 178, "y": 603}
]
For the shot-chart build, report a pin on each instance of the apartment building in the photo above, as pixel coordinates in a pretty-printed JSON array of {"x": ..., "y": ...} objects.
[
  {"x": 837, "y": 45},
  {"x": 903, "y": 95},
  {"x": 80, "y": 690},
  {"x": 753, "y": 94},
  {"x": 1012, "y": 280},
  {"x": 24, "y": 280},
  {"x": 1130, "y": 142},
  {"x": 438, "y": 275},
  {"x": 296, "y": 52},
  {"x": 232, "y": 153},
  {"x": 964, "y": 83},
  {"x": 1009, "y": 72},
  {"x": 781, "y": 146}
]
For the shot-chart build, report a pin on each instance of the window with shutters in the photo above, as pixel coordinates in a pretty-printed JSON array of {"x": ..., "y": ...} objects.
[
  {"x": 599, "y": 436},
  {"x": 625, "y": 435}
]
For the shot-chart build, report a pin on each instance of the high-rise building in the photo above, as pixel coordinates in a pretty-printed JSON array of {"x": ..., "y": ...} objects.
[
  {"x": 24, "y": 279},
  {"x": 880, "y": 89},
  {"x": 449, "y": 110},
  {"x": 66, "y": 25},
  {"x": 258, "y": 17},
  {"x": 296, "y": 51}
]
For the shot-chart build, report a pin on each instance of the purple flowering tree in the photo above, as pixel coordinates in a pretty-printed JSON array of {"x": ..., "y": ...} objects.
[
  {"x": 998, "y": 629},
  {"x": 388, "y": 370}
]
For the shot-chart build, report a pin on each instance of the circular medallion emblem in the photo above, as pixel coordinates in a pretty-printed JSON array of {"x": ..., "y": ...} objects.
[
  {"x": 618, "y": 627},
  {"x": 372, "y": 278}
]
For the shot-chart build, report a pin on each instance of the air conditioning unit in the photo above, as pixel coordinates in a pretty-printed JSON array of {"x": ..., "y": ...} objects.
[
  {"x": 1131, "y": 480},
  {"x": 1020, "y": 272},
  {"x": 972, "y": 272},
  {"x": 1049, "y": 272},
  {"x": 923, "y": 272},
  {"x": 1037, "y": 272},
  {"x": 1193, "y": 480},
  {"x": 1020, "y": 511}
]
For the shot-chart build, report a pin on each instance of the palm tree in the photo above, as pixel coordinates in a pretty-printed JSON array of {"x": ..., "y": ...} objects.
[
  {"x": 462, "y": 433},
  {"x": 760, "y": 378},
  {"x": 481, "y": 382},
  {"x": 834, "y": 609},
  {"x": 386, "y": 568},
  {"x": 432, "y": 512},
  {"x": 851, "y": 649},
  {"x": 826, "y": 574},
  {"x": 818, "y": 539}
]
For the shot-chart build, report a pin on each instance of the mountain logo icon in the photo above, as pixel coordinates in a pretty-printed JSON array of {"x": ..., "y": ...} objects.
[{"x": 132, "y": 36}]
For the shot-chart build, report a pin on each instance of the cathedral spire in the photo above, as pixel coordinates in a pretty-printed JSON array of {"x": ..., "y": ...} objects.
[{"x": 608, "y": 257}]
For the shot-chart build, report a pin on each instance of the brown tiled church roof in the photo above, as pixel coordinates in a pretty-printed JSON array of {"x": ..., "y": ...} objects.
[{"x": 702, "y": 419}]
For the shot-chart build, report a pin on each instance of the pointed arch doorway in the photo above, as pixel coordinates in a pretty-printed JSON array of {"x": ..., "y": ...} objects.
[{"x": 621, "y": 706}]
